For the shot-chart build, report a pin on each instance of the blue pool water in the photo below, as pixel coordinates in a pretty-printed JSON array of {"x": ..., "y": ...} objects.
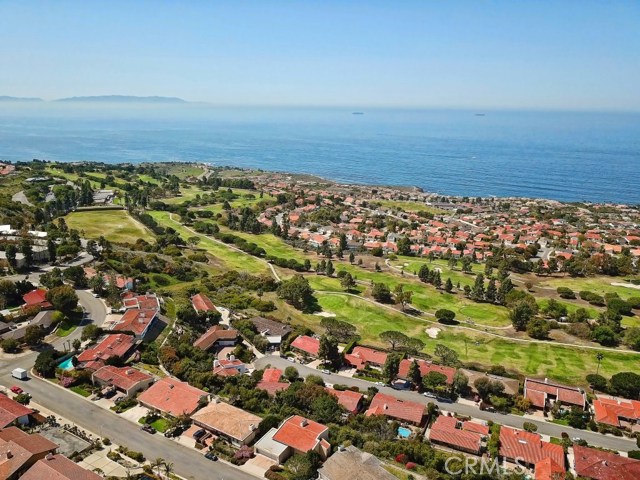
[
  {"x": 67, "y": 364},
  {"x": 404, "y": 432}
]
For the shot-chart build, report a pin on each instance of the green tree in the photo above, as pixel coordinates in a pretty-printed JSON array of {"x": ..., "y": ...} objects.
[
  {"x": 434, "y": 381},
  {"x": 597, "y": 382},
  {"x": 296, "y": 291},
  {"x": 342, "y": 331},
  {"x": 423, "y": 273},
  {"x": 328, "y": 350},
  {"x": 445, "y": 316},
  {"x": 391, "y": 367},
  {"x": 11, "y": 251},
  {"x": 97, "y": 283},
  {"x": 448, "y": 286},
  {"x": 460, "y": 383},
  {"x": 447, "y": 356},
  {"x": 46, "y": 363},
  {"x": 291, "y": 374},
  {"x": 538, "y": 328},
  {"x": 632, "y": 338},
  {"x": 477, "y": 291},
  {"x": 90, "y": 332},
  {"x": 394, "y": 338},
  {"x": 27, "y": 251},
  {"x": 520, "y": 315},
  {"x": 402, "y": 296},
  {"x": 10, "y": 345},
  {"x": 605, "y": 336},
  {"x": 330, "y": 268},
  {"x": 414, "y": 375},
  {"x": 404, "y": 246},
  {"x": 492, "y": 291},
  {"x": 381, "y": 293},
  {"x": 625, "y": 384},
  {"x": 76, "y": 344},
  {"x": 352, "y": 258},
  {"x": 63, "y": 298},
  {"x": 347, "y": 282},
  {"x": 33, "y": 335}
]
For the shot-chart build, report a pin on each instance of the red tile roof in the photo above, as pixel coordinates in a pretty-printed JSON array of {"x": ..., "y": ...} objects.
[
  {"x": 528, "y": 446},
  {"x": 271, "y": 375},
  {"x": 425, "y": 368},
  {"x": 58, "y": 467},
  {"x": 121, "y": 377},
  {"x": 547, "y": 469},
  {"x": 610, "y": 411},
  {"x": 145, "y": 302},
  {"x": 36, "y": 298},
  {"x": 209, "y": 338},
  {"x": 351, "y": 401},
  {"x": 563, "y": 393},
  {"x": 444, "y": 430},
  {"x": 307, "y": 344},
  {"x": 272, "y": 387},
  {"x": 300, "y": 433},
  {"x": 115, "y": 345},
  {"x": 172, "y": 396},
  {"x": 10, "y": 411},
  {"x": 368, "y": 355},
  {"x": 202, "y": 303},
  {"x": 136, "y": 321},
  {"x": 599, "y": 465},
  {"x": 383, "y": 404},
  {"x": 34, "y": 443},
  {"x": 475, "y": 427}
]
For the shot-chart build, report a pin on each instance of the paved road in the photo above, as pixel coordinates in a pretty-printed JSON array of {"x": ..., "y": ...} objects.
[
  {"x": 21, "y": 198},
  {"x": 607, "y": 441},
  {"x": 187, "y": 462}
]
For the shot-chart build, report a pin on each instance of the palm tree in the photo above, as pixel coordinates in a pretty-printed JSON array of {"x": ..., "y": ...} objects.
[
  {"x": 158, "y": 463},
  {"x": 599, "y": 357},
  {"x": 168, "y": 468}
]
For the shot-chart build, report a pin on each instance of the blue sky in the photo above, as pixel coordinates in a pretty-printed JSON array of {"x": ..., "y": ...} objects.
[{"x": 476, "y": 54}]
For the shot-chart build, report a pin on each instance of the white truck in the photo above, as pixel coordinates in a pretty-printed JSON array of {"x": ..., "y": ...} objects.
[{"x": 20, "y": 374}]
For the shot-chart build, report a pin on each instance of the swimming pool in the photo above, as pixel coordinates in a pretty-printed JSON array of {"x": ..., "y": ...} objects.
[
  {"x": 404, "y": 432},
  {"x": 67, "y": 364}
]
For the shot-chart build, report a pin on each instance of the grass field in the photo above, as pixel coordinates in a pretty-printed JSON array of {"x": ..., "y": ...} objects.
[
  {"x": 183, "y": 171},
  {"x": 230, "y": 258},
  {"x": 66, "y": 327},
  {"x": 115, "y": 225},
  {"x": 599, "y": 285},
  {"x": 412, "y": 265}
]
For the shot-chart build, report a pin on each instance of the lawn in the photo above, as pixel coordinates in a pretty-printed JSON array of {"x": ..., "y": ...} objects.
[
  {"x": 183, "y": 171},
  {"x": 413, "y": 264},
  {"x": 115, "y": 225},
  {"x": 68, "y": 325},
  {"x": 232, "y": 259},
  {"x": 599, "y": 285},
  {"x": 161, "y": 424},
  {"x": 272, "y": 245},
  {"x": 80, "y": 390}
]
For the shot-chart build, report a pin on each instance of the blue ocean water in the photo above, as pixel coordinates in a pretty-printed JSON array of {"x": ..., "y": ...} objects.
[{"x": 559, "y": 155}]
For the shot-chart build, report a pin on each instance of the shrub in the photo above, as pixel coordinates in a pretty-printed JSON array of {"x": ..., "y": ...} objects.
[
  {"x": 160, "y": 280},
  {"x": 401, "y": 458},
  {"x": 529, "y": 427},
  {"x": 566, "y": 292},
  {"x": 635, "y": 454},
  {"x": 271, "y": 475},
  {"x": 411, "y": 466}
]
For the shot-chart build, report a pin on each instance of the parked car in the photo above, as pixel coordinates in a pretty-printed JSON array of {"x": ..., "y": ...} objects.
[
  {"x": 199, "y": 433},
  {"x": 429, "y": 394},
  {"x": 211, "y": 456},
  {"x": 16, "y": 389},
  {"x": 326, "y": 372},
  {"x": 148, "y": 429}
]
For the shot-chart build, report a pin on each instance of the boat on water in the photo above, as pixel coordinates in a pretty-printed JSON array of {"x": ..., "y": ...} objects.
[
  {"x": 357, "y": 113},
  {"x": 479, "y": 114}
]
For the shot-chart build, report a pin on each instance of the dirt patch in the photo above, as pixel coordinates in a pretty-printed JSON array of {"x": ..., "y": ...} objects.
[
  {"x": 627, "y": 285},
  {"x": 325, "y": 314}
]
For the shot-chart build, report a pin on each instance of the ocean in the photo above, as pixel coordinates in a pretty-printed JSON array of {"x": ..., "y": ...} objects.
[{"x": 569, "y": 156}]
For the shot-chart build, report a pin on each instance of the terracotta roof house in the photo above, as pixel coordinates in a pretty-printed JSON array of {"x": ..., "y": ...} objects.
[
  {"x": 306, "y": 344},
  {"x": 528, "y": 448},
  {"x": 136, "y": 321},
  {"x": 271, "y": 383},
  {"x": 390, "y": 406},
  {"x": 229, "y": 367},
  {"x": 217, "y": 336},
  {"x": 202, "y": 304},
  {"x": 599, "y": 465},
  {"x": 19, "y": 451},
  {"x": 124, "y": 379},
  {"x": 274, "y": 332},
  {"x": 548, "y": 469},
  {"x": 12, "y": 412},
  {"x": 543, "y": 394},
  {"x": 295, "y": 435},
  {"x": 617, "y": 413},
  {"x": 150, "y": 301},
  {"x": 36, "y": 298},
  {"x": 117, "y": 345},
  {"x": 425, "y": 368},
  {"x": 360, "y": 357},
  {"x": 349, "y": 400},
  {"x": 353, "y": 464},
  {"x": 449, "y": 432},
  {"x": 58, "y": 467},
  {"x": 171, "y": 396},
  {"x": 229, "y": 422}
]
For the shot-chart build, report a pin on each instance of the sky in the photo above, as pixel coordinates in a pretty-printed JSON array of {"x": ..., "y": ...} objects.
[{"x": 576, "y": 55}]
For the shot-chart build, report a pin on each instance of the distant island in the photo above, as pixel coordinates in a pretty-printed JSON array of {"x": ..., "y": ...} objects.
[
  {"x": 123, "y": 99},
  {"x": 5, "y": 98}
]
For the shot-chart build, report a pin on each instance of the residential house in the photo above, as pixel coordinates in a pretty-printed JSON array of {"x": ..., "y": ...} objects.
[
  {"x": 136, "y": 321},
  {"x": 353, "y": 464},
  {"x": 392, "y": 407},
  {"x": 543, "y": 394},
  {"x": 306, "y": 345},
  {"x": 127, "y": 380},
  {"x": 464, "y": 436},
  {"x": 511, "y": 385},
  {"x": 229, "y": 367},
  {"x": 600, "y": 465},
  {"x": 202, "y": 304},
  {"x": 36, "y": 298},
  {"x": 548, "y": 469},
  {"x": 349, "y": 400},
  {"x": 274, "y": 332},
  {"x": 425, "y": 367},
  {"x": 616, "y": 413},
  {"x": 216, "y": 337},
  {"x": 150, "y": 301},
  {"x": 362, "y": 357},
  {"x": 19, "y": 451},
  {"x": 228, "y": 422},
  {"x": 115, "y": 346},
  {"x": 173, "y": 397},
  {"x": 295, "y": 435},
  {"x": 270, "y": 381},
  {"x": 527, "y": 448},
  {"x": 12, "y": 412},
  {"x": 43, "y": 319},
  {"x": 58, "y": 467}
]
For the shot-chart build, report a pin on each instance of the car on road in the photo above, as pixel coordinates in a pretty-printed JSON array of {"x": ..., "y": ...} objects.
[
  {"x": 380, "y": 384},
  {"x": 326, "y": 372},
  {"x": 95, "y": 295},
  {"x": 576, "y": 439},
  {"x": 211, "y": 456},
  {"x": 16, "y": 389},
  {"x": 429, "y": 394},
  {"x": 148, "y": 429}
]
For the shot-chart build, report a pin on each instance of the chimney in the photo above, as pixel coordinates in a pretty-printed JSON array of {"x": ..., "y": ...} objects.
[
  {"x": 232, "y": 357},
  {"x": 304, "y": 422},
  {"x": 49, "y": 456},
  {"x": 130, "y": 371},
  {"x": 216, "y": 364}
]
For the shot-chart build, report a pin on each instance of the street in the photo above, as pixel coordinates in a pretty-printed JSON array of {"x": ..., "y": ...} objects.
[{"x": 545, "y": 428}]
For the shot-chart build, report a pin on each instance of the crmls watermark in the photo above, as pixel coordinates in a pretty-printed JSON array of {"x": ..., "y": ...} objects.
[{"x": 481, "y": 466}]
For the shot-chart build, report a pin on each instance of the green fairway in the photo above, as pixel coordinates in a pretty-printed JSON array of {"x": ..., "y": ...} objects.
[
  {"x": 600, "y": 285},
  {"x": 232, "y": 259},
  {"x": 115, "y": 225}
]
